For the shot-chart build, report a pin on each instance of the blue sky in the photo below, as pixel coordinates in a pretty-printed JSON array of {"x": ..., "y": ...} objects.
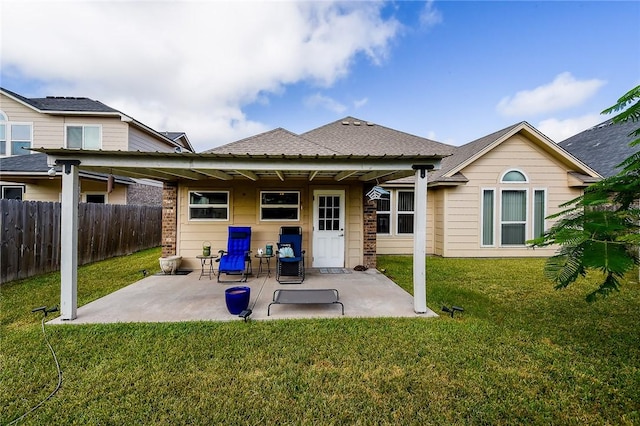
[{"x": 451, "y": 71}]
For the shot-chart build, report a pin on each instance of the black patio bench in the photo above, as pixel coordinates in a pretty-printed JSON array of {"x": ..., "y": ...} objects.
[{"x": 305, "y": 297}]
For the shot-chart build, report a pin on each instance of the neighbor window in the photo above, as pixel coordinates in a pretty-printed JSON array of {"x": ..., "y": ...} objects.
[
  {"x": 405, "y": 212},
  {"x": 84, "y": 137},
  {"x": 383, "y": 215},
  {"x": 95, "y": 198},
  {"x": 204, "y": 205},
  {"x": 13, "y": 192},
  {"x": 279, "y": 205},
  {"x": 14, "y": 137}
]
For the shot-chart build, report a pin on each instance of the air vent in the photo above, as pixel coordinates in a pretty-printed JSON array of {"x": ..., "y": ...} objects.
[
  {"x": 346, "y": 123},
  {"x": 356, "y": 123}
]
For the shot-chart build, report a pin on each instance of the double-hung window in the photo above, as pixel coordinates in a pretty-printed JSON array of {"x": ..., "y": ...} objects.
[
  {"x": 383, "y": 215},
  {"x": 84, "y": 137},
  {"x": 280, "y": 205},
  {"x": 513, "y": 218},
  {"x": 405, "y": 212},
  {"x": 14, "y": 137},
  {"x": 209, "y": 205}
]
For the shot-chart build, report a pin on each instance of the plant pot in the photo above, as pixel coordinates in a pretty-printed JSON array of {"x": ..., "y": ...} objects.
[
  {"x": 170, "y": 264},
  {"x": 237, "y": 299}
]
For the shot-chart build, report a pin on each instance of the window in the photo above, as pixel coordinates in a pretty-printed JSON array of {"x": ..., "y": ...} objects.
[
  {"x": 514, "y": 217},
  {"x": 96, "y": 198},
  {"x": 14, "y": 137},
  {"x": 488, "y": 206},
  {"x": 384, "y": 215},
  {"x": 405, "y": 212},
  {"x": 13, "y": 192},
  {"x": 539, "y": 212},
  {"x": 514, "y": 176},
  {"x": 208, "y": 205},
  {"x": 84, "y": 137},
  {"x": 279, "y": 205}
]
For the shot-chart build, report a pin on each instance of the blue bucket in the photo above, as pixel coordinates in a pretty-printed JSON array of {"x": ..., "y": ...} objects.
[{"x": 237, "y": 299}]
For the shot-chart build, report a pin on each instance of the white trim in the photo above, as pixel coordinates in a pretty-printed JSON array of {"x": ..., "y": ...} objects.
[
  {"x": 22, "y": 187},
  {"x": 398, "y": 212},
  {"x": 274, "y": 206},
  {"x": 189, "y": 205},
  {"x": 83, "y": 126},
  {"x": 511, "y": 182},
  {"x": 83, "y": 196},
  {"x": 526, "y": 219}
]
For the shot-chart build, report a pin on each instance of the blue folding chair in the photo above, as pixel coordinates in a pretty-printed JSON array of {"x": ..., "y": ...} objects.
[
  {"x": 290, "y": 256},
  {"x": 236, "y": 260}
]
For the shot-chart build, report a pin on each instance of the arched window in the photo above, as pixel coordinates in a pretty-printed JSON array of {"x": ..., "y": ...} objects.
[
  {"x": 514, "y": 176},
  {"x": 3, "y": 116}
]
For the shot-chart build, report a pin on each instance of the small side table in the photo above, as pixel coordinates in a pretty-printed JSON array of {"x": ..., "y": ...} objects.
[
  {"x": 206, "y": 265},
  {"x": 264, "y": 260}
]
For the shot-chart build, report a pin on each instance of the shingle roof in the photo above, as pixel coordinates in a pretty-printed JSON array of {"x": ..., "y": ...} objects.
[
  {"x": 68, "y": 104},
  {"x": 24, "y": 163},
  {"x": 604, "y": 146},
  {"x": 349, "y": 136},
  {"x": 274, "y": 142},
  {"x": 466, "y": 151},
  {"x": 37, "y": 164},
  {"x": 352, "y": 136}
]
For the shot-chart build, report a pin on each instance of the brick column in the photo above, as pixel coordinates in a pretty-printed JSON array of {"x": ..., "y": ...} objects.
[
  {"x": 169, "y": 218},
  {"x": 370, "y": 243}
]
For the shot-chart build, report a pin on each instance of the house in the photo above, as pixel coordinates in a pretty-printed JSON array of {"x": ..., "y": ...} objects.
[
  {"x": 488, "y": 198},
  {"x": 485, "y": 198},
  {"x": 317, "y": 180},
  {"x": 603, "y": 146},
  {"x": 73, "y": 123}
]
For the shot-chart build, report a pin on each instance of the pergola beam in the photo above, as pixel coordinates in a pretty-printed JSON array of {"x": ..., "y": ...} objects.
[
  {"x": 344, "y": 174},
  {"x": 248, "y": 174}
]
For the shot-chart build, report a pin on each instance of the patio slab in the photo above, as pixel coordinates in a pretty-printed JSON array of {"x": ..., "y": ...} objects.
[{"x": 173, "y": 298}]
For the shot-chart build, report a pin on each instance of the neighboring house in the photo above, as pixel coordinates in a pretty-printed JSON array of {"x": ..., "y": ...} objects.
[
  {"x": 604, "y": 146},
  {"x": 73, "y": 123},
  {"x": 489, "y": 197}
]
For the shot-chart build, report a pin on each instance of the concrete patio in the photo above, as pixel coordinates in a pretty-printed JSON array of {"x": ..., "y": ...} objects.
[{"x": 172, "y": 298}]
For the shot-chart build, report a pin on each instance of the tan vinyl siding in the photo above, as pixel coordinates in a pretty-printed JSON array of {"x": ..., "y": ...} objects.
[
  {"x": 50, "y": 190},
  {"x": 140, "y": 141},
  {"x": 464, "y": 202},
  {"x": 244, "y": 210}
]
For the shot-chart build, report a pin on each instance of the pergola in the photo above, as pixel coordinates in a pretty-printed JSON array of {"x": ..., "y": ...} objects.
[{"x": 171, "y": 167}]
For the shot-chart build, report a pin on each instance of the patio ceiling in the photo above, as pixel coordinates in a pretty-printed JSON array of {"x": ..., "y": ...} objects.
[{"x": 213, "y": 166}]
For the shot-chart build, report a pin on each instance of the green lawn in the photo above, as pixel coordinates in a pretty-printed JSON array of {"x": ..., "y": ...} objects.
[{"x": 522, "y": 353}]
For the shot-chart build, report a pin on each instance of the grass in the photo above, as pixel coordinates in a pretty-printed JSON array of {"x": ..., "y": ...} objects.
[{"x": 520, "y": 353}]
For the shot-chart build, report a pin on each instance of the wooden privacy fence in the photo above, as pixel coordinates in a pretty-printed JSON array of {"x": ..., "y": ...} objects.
[{"x": 30, "y": 239}]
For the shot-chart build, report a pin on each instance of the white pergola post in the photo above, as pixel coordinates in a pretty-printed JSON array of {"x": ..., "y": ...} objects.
[
  {"x": 420, "y": 240},
  {"x": 69, "y": 241}
]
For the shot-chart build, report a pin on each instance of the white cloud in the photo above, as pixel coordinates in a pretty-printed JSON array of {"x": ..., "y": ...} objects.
[
  {"x": 360, "y": 103},
  {"x": 318, "y": 100},
  {"x": 562, "y": 93},
  {"x": 430, "y": 16},
  {"x": 189, "y": 66},
  {"x": 559, "y": 130}
]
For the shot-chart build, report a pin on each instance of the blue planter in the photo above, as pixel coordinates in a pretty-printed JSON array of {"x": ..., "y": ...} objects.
[{"x": 237, "y": 299}]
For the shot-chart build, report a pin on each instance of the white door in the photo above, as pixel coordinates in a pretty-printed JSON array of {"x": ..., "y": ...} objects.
[{"x": 328, "y": 229}]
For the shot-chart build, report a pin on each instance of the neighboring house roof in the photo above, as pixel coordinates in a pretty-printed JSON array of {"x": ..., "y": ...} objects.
[
  {"x": 35, "y": 165},
  {"x": 603, "y": 147},
  {"x": 59, "y": 105},
  {"x": 450, "y": 172}
]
